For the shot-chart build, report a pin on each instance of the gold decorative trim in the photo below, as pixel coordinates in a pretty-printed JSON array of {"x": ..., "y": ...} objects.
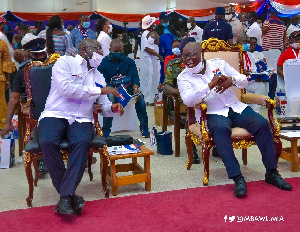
[
  {"x": 195, "y": 138},
  {"x": 242, "y": 144}
]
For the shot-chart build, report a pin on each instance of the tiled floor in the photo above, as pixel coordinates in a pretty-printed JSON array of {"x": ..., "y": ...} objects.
[{"x": 168, "y": 173}]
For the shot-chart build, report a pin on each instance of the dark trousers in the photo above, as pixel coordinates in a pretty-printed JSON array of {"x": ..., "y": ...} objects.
[
  {"x": 220, "y": 129},
  {"x": 141, "y": 113},
  {"x": 51, "y": 132},
  {"x": 272, "y": 86}
]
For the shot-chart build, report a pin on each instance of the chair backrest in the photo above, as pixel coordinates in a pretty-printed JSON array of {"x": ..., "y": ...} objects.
[
  {"x": 38, "y": 83},
  {"x": 272, "y": 56},
  {"x": 233, "y": 55},
  {"x": 291, "y": 70}
]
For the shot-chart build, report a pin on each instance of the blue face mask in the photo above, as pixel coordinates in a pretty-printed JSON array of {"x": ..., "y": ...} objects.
[
  {"x": 86, "y": 24},
  {"x": 176, "y": 51},
  {"x": 116, "y": 55},
  {"x": 5, "y": 28},
  {"x": 165, "y": 24},
  {"x": 246, "y": 47}
]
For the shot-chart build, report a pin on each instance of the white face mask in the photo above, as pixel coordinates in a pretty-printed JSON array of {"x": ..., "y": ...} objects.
[
  {"x": 295, "y": 45},
  {"x": 228, "y": 17},
  {"x": 96, "y": 59},
  {"x": 196, "y": 69},
  {"x": 151, "y": 40},
  {"x": 189, "y": 25},
  {"x": 109, "y": 30}
]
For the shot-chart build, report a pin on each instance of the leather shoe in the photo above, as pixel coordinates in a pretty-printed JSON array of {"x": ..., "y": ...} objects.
[
  {"x": 64, "y": 206},
  {"x": 274, "y": 178},
  {"x": 215, "y": 152},
  {"x": 240, "y": 187},
  {"x": 77, "y": 203}
]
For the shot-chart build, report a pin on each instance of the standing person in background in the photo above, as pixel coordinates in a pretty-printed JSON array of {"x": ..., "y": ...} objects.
[
  {"x": 273, "y": 33},
  {"x": 295, "y": 25},
  {"x": 164, "y": 26},
  {"x": 149, "y": 75},
  {"x": 3, "y": 25},
  {"x": 254, "y": 30},
  {"x": 104, "y": 28},
  {"x": 82, "y": 31},
  {"x": 137, "y": 37},
  {"x": 57, "y": 41},
  {"x": 25, "y": 33},
  {"x": 236, "y": 25},
  {"x": 218, "y": 28},
  {"x": 243, "y": 20},
  {"x": 194, "y": 30}
]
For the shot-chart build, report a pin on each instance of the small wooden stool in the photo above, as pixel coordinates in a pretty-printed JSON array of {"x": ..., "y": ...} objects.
[
  {"x": 139, "y": 174},
  {"x": 291, "y": 153}
]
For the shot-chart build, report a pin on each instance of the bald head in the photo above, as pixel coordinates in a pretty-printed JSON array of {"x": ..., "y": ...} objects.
[
  {"x": 116, "y": 45},
  {"x": 193, "y": 47},
  {"x": 87, "y": 47},
  {"x": 191, "y": 20},
  {"x": 21, "y": 55},
  {"x": 243, "y": 38}
]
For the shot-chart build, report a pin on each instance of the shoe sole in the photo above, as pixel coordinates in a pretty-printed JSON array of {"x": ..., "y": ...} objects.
[
  {"x": 64, "y": 213},
  {"x": 269, "y": 182}
]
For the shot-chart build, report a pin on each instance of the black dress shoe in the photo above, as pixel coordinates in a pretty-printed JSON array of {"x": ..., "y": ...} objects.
[
  {"x": 274, "y": 178},
  {"x": 240, "y": 187},
  {"x": 77, "y": 203},
  {"x": 196, "y": 160},
  {"x": 64, "y": 206},
  {"x": 215, "y": 152}
]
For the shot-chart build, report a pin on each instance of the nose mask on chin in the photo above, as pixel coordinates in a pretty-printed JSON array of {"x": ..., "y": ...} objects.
[
  {"x": 96, "y": 59},
  {"x": 295, "y": 45},
  {"x": 197, "y": 69}
]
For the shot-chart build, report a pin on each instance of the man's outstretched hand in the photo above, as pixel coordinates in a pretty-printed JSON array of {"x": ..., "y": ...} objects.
[
  {"x": 109, "y": 89},
  {"x": 117, "y": 108}
]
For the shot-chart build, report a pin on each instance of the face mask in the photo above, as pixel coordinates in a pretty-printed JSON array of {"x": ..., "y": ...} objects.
[
  {"x": 86, "y": 24},
  {"x": 165, "y": 24},
  {"x": 228, "y": 17},
  {"x": 295, "y": 46},
  {"x": 96, "y": 59},
  {"x": 260, "y": 25},
  {"x": 189, "y": 25},
  {"x": 116, "y": 55},
  {"x": 246, "y": 47},
  {"x": 109, "y": 30},
  {"x": 151, "y": 40},
  {"x": 196, "y": 69},
  {"x": 5, "y": 28},
  {"x": 176, "y": 51}
]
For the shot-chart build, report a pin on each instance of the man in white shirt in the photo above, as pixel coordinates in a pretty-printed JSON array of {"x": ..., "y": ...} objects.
[
  {"x": 295, "y": 25},
  {"x": 194, "y": 30},
  {"x": 236, "y": 24},
  {"x": 210, "y": 81},
  {"x": 68, "y": 114},
  {"x": 254, "y": 30}
]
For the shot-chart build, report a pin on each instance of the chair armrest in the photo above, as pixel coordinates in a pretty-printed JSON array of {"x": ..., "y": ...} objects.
[
  {"x": 250, "y": 98},
  {"x": 97, "y": 110},
  {"x": 274, "y": 124}
]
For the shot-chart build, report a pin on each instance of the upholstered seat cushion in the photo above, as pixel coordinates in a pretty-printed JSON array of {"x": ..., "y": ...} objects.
[
  {"x": 236, "y": 131},
  {"x": 33, "y": 146}
]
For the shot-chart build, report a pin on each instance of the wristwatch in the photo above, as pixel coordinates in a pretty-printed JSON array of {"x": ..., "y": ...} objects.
[{"x": 233, "y": 81}]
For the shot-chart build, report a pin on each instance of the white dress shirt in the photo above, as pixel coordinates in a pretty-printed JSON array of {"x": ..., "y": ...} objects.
[
  {"x": 105, "y": 41},
  {"x": 194, "y": 89},
  {"x": 197, "y": 33},
  {"x": 255, "y": 31},
  {"x": 10, "y": 48},
  {"x": 73, "y": 91}
]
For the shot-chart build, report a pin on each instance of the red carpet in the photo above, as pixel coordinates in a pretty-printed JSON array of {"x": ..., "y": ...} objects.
[{"x": 198, "y": 209}]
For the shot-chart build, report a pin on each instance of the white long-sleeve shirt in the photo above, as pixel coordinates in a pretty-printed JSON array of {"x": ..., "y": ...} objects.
[
  {"x": 255, "y": 31},
  {"x": 197, "y": 33},
  {"x": 105, "y": 41},
  {"x": 194, "y": 89},
  {"x": 73, "y": 91}
]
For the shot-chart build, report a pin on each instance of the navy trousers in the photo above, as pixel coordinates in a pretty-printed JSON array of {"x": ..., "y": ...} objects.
[
  {"x": 220, "y": 129},
  {"x": 51, "y": 132}
]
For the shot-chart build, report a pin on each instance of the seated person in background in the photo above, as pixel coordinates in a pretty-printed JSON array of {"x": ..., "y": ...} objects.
[
  {"x": 117, "y": 66},
  {"x": 175, "y": 51},
  {"x": 68, "y": 115},
  {"x": 261, "y": 66},
  {"x": 173, "y": 69},
  {"x": 198, "y": 83},
  {"x": 291, "y": 53},
  {"x": 255, "y": 86}
]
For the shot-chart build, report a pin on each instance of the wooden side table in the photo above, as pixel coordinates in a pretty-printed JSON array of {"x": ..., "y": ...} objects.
[
  {"x": 291, "y": 153},
  {"x": 139, "y": 174}
]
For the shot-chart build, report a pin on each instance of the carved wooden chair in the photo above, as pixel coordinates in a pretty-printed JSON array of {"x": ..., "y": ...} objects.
[
  {"x": 38, "y": 82},
  {"x": 241, "y": 138}
]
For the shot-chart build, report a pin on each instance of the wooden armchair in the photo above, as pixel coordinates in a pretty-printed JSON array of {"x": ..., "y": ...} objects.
[
  {"x": 241, "y": 138},
  {"x": 38, "y": 82}
]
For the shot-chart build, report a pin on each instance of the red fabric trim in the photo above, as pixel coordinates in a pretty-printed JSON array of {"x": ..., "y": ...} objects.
[
  {"x": 127, "y": 17},
  {"x": 47, "y": 16},
  {"x": 249, "y": 7},
  {"x": 289, "y": 2},
  {"x": 197, "y": 13}
]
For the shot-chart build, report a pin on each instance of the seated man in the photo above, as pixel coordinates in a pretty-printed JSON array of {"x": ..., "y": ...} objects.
[
  {"x": 68, "y": 115},
  {"x": 198, "y": 83},
  {"x": 173, "y": 69},
  {"x": 117, "y": 66}
]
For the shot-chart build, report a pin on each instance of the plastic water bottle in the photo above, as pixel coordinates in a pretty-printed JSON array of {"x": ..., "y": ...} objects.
[
  {"x": 153, "y": 134},
  {"x": 280, "y": 96}
]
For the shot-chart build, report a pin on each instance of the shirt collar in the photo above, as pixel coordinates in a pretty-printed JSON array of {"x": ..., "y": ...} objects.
[
  {"x": 80, "y": 60},
  {"x": 110, "y": 59}
]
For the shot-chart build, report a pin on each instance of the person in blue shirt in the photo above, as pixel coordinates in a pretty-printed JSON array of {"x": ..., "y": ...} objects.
[
  {"x": 218, "y": 28},
  {"x": 82, "y": 31},
  {"x": 114, "y": 67}
]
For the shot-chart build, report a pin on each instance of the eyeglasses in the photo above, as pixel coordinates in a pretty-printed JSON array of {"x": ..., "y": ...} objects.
[
  {"x": 189, "y": 55},
  {"x": 98, "y": 48}
]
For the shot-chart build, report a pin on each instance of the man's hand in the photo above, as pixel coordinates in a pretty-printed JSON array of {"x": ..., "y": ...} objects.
[
  {"x": 117, "y": 108},
  {"x": 217, "y": 80},
  {"x": 160, "y": 58},
  {"x": 224, "y": 84},
  {"x": 6, "y": 129},
  {"x": 109, "y": 89},
  {"x": 136, "y": 91}
]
